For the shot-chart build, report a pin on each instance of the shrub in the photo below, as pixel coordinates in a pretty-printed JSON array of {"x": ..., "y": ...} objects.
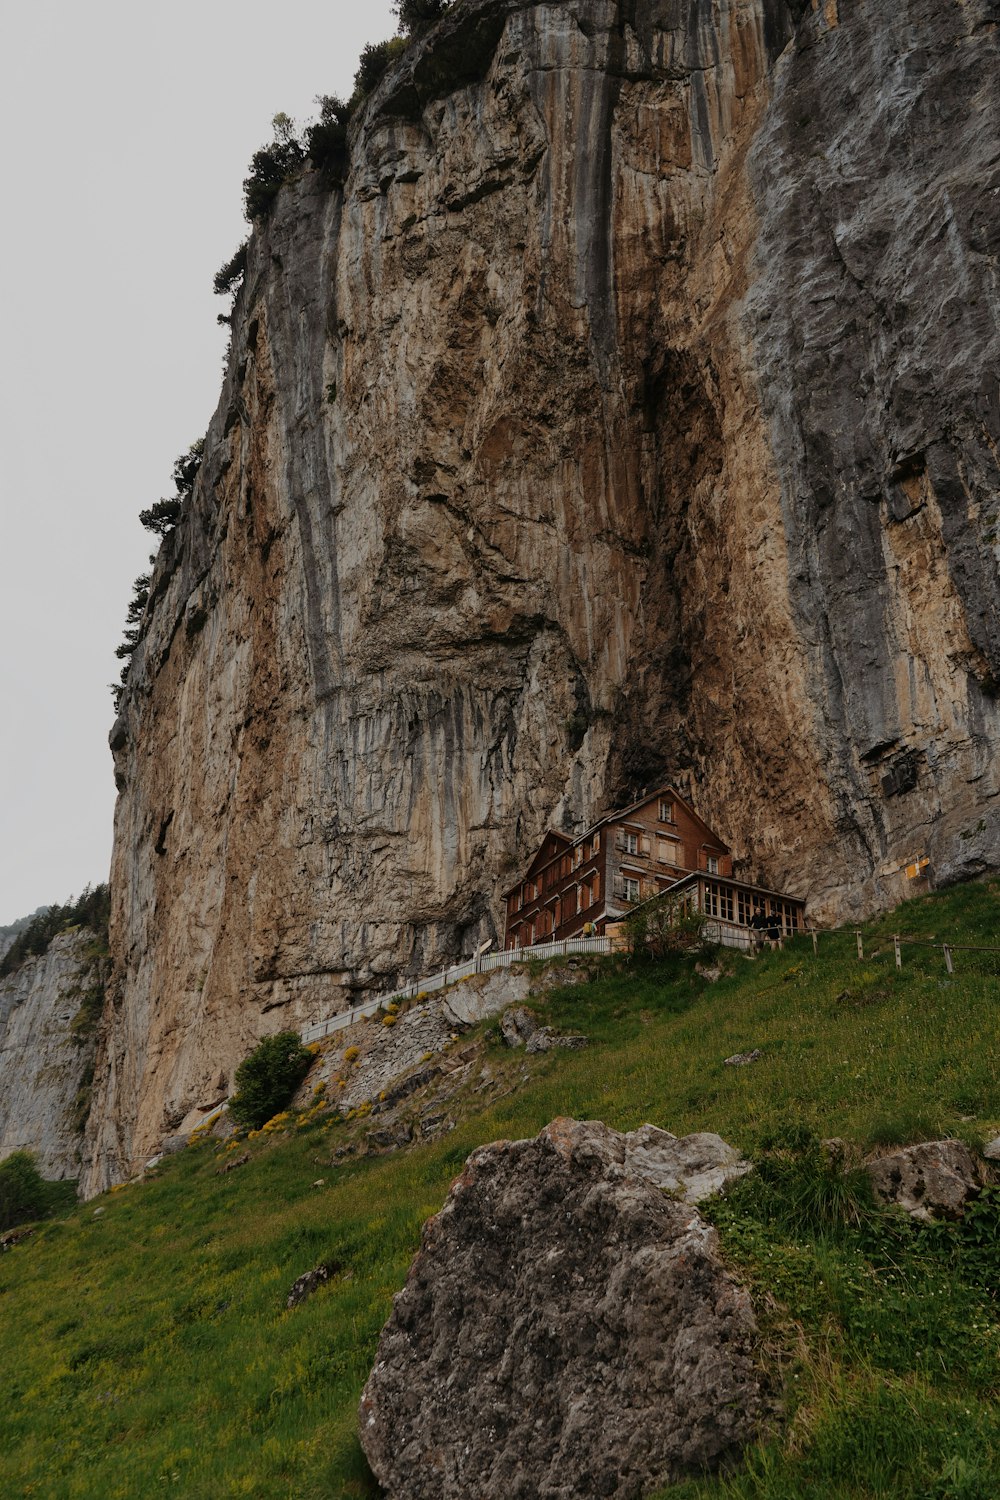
[
  {"x": 418, "y": 16},
  {"x": 326, "y": 138},
  {"x": 23, "y": 1190},
  {"x": 373, "y": 64},
  {"x": 164, "y": 515},
  {"x": 270, "y": 168},
  {"x": 267, "y": 1079},
  {"x": 656, "y": 929},
  {"x": 161, "y": 517},
  {"x": 811, "y": 1186},
  {"x": 185, "y": 470},
  {"x": 229, "y": 278}
]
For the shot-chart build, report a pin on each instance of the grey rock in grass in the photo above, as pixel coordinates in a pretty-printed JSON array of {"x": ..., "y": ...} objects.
[
  {"x": 932, "y": 1180},
  {"x": 517, "y": 1025},
  {"x": 14, "y": 1237},
  {"x": 743, "y": 1059},
  {"x": 567, "y": 1329},
  {"x": 391, "y": 1139},
  {"x": 693, "y": 1167},
  {"x": 309, "y": 1283},
  {"x": 991, "y": 1150},
  {"x": 712, "y": 972},
  {"x": 547, "y": 1037}
]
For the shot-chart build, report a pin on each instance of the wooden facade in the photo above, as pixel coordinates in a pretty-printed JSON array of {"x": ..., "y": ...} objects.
[{"x": 658, "y": 844}]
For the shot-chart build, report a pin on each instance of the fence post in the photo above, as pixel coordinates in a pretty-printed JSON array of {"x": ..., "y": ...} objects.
[
  {"x": 947, "y": 958},
  {"x": 899, "y": 951},
  {"x": 815, "y": 937},
  {"x": 861, "y": 946}
]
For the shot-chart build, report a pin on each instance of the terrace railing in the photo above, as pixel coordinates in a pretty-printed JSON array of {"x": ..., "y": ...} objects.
[{"x": 484, "y": 964}]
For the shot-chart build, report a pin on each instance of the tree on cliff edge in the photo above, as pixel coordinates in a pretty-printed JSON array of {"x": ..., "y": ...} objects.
[{"x": 417, "y": 16}]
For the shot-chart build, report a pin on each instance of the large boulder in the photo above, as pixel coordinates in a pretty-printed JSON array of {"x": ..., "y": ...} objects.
[
  {"x": 932, "y": 1180},
  {"x": 567, "y": 1329}
]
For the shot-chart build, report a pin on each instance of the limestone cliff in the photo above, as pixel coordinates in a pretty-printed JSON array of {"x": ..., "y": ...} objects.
[
  {"x": 48, "y": 1012},
  {"x": 631, "y": 412}
]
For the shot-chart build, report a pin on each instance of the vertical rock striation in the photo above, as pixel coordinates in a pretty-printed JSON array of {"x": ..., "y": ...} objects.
[
  {"x": 630, "y": 413},
  {"x": 49, "y": 1009}
]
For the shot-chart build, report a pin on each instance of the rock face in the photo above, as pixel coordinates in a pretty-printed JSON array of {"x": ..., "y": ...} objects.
[
  {"x": 45, "y": 1061},
  {"x": 932, "y": 1180},
  {"x": 486, "y": 994},
  {"x": 631, "y": 412},
  {"x": 565, "y": 1330}
]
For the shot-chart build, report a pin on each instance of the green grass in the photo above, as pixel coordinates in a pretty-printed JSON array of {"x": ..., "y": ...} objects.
[{"x": 148, "y": 1351}]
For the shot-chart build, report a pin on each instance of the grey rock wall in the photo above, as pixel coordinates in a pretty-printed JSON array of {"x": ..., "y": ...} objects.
[{"x": 44, "y": 1061}]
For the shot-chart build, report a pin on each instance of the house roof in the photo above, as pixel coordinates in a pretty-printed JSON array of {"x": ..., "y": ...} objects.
[
  {"x": 622, "y": 812},
  {"x": 616, "y": 816},
  {"x": 552, "y": 844}
]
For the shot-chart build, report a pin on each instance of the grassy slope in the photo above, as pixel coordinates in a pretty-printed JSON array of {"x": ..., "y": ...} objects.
[{"x": 147, "y": 1349}]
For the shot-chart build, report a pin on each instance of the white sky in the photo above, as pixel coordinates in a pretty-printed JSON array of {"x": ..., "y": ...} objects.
[{"x": 127, "y": 130}]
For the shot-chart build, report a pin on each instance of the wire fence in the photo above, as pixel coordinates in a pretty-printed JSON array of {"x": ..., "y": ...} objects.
[
  {"x": 921, "y": 955},
  {"x": 928, "y": 955}
]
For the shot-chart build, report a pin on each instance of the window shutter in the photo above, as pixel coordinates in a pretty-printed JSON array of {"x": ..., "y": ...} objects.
[{"x": 644, "y": 843}]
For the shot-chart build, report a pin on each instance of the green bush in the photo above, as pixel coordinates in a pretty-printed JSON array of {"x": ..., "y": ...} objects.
[
  {"x": 185, "y": 470},
  {"x": 164, "y": 515},
  {"x": 326, "y": 138},
  {"x": 810, "y": 1186},
  {"x": 23, "y": 1192},
  {"x": 140, "y": 598},
  {"x": 374, "y": 62},
  {"x": 271, "y": 167},
  {"x": 229, "y": 278},
  {"x": 267, "y": 1079},
  {"x": 418, "y": 16}
]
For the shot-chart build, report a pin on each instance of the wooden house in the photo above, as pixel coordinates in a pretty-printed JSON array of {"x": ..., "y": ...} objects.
[{"x": 659, "y": 844}]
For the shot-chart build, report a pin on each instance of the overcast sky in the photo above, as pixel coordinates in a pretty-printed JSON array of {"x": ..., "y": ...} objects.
[{"x": 127, "y": 130}]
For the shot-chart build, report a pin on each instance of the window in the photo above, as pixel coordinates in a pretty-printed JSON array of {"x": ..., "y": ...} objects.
[
  {"x": 578, "y": 856},
  {"x": 713, "y": 864},
  {"x": 631, "y": 888},
  {"x": 744, "y": 911},
  {"x": 630, "y": 843},
  {"x": 595, "y": 847},
  {"x": 726, "y": 902},
  {"x": 712, "y": 899},
  {"x": 666, "y": 810}
]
